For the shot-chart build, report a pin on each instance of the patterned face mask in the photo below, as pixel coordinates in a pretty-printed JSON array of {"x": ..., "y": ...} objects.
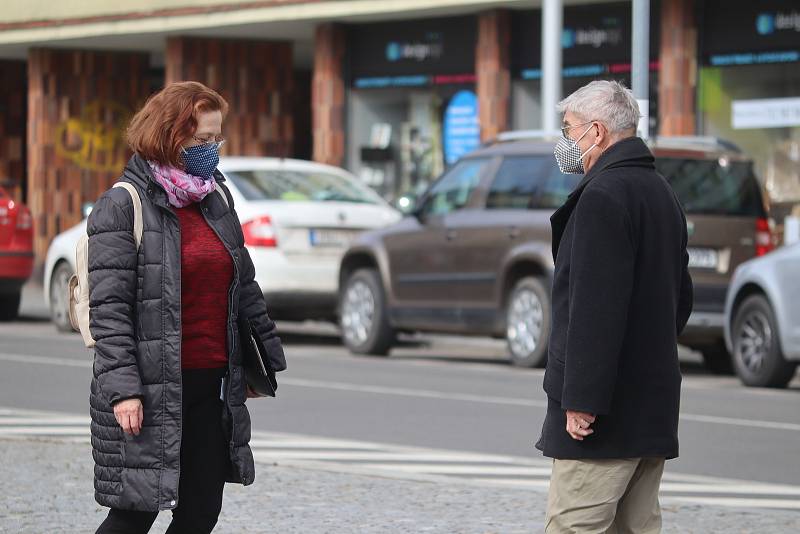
[
  {"x": 568, "y": 154},
  {"x": 201, "y": 160}
]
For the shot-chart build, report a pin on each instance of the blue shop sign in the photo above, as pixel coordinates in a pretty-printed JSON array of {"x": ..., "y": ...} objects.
[{"x": 462, "y": 132}]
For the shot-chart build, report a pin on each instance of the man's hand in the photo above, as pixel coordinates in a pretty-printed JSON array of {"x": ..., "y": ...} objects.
[
  {"x": 129, "y": 414},
  {"x": 252, "y": 394},
  {"x": 578, "y": 424}
]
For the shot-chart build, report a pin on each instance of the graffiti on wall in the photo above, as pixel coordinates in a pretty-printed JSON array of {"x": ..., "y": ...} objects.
[{"x": 95, "y": 140}]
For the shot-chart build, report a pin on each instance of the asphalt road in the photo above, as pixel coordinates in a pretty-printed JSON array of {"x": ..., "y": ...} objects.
[{"x": 444, "y": 393}]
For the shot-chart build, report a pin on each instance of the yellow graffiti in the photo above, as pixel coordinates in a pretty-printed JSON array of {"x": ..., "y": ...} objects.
[{"x": 95, "y": 140}]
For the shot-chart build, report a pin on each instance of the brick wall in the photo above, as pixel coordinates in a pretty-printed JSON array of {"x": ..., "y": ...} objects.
[
  {"x": 255, "y": 77},
  {"x": 13, "y": 104},
  {"x": 328, "y": 95},
  {"x": 79, "y": 103},
  {"x": 678, "y": 77},
  {"x": 492, "y": 68}
]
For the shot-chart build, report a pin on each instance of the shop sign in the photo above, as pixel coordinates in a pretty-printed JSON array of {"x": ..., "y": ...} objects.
[
  {"x": 749, "y": 33},
  {"x": 412, "y": 53},
  {"x": 596, "y": 40},
  {"x": 462, "y": 132},
  {"x": 765, "y": 113}
]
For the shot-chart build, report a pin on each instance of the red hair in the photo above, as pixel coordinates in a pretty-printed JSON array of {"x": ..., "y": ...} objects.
[{"x": 168, "y": 120}]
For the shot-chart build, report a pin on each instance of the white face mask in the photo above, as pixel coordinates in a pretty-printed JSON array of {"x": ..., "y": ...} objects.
[{"x": 568, "y": 154}]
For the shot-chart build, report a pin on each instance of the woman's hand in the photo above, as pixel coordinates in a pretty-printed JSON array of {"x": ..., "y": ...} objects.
[
  {"x": 129, "y": 414},
  {"x": 252, "y": 394}
]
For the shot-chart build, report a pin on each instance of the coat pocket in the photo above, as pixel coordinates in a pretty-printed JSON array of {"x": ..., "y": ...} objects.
[{"x": 554, "y": 379}]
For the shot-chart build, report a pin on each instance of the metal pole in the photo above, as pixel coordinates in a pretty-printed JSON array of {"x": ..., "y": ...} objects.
[
  {"x": 552, "y": 27},
  {"x": 640, "y": 62}
]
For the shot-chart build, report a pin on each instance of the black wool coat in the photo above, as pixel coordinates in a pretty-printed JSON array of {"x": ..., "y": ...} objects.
[
  {"x": 621, "y": 295},
  {"x": 135, "y": 319}
]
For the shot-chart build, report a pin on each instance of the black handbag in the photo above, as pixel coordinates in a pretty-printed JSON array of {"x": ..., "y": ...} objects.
[{"x": 257, "y": 370}]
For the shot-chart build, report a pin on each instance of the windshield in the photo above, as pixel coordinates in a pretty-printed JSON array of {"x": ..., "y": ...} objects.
[
  {"x": 299, "y": 186},
  {"x": 714, "y": 187}
]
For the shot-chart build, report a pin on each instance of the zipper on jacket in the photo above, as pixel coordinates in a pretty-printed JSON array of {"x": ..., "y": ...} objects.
[{"x": 180, "y": 345}]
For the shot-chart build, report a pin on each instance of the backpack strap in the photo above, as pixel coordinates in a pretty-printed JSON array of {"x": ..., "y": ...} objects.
[
  {"x": 138, "y": 224},
  {"x": 224, "y": 193}
]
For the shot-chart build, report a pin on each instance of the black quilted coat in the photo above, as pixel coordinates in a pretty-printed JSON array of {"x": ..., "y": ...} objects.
[{"x": 135, "y": 319}]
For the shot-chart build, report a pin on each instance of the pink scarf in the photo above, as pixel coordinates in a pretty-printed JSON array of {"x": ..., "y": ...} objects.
[{"x": 182, "y": 188}]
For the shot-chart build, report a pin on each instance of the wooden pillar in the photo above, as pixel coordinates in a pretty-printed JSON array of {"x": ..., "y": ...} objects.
[
  {"x": 79, "y": 105},
  {"x": 677, "y": 85},
  {"x": 328, "y": 95},
  {"x": 13, "y": 104},
  {"x": 493, "y": 72},
  {"x": 255, "y": 77}
]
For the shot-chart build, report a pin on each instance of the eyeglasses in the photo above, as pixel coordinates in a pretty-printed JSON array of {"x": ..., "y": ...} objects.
[
  {"x": 565, "y": 129},
  {"x": 218, "y": 139}
]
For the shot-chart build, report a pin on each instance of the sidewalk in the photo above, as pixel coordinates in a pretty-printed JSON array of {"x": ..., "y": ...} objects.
[{"x": 47, "y": 487}]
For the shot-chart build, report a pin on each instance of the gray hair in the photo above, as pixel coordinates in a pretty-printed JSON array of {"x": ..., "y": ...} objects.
[{"x": 604, "y": 101}]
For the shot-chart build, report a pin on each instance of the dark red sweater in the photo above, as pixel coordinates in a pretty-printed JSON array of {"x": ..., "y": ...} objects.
[{"x": 206, "y": 276}]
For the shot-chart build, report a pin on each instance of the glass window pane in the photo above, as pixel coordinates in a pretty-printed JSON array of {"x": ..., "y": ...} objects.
[
  {"x": 290, "y": 186},
  {"x": 705, "y": 187},
  {"x": 530, "y": 182},
  {"x": 453, "y": 190}
]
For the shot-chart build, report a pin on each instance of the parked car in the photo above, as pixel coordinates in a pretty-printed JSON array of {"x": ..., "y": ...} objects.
[
  {"x": 298, "y": 218},
  {"x": 762, "y": 318},
  {"x": 16, "y": 253},
  {"x": 474, "y": 255}
]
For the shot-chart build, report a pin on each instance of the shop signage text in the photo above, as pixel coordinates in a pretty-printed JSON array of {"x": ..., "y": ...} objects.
[
  {"x": 462, "y": 132},
  {"x": 765, "y": 113}
]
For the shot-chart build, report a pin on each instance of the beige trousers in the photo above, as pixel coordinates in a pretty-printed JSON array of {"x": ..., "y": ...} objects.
[{"x": 605, "y": 496}]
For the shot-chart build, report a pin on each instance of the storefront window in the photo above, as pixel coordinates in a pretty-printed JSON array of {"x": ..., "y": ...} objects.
[{"x": 749, "y": 89}]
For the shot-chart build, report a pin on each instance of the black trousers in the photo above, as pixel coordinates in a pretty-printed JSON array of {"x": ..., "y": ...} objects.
[{"x": 204, "y": 464}]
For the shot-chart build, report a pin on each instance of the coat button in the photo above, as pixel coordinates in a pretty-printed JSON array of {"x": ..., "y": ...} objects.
[{"x": 172, "y": 503}]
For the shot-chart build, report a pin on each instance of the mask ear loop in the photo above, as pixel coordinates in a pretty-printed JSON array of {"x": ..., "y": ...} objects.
[{"x": 581, "y": 137}]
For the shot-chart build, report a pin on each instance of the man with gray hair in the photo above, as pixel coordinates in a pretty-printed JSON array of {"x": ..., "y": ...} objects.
[{"x": 621, "y": 295}]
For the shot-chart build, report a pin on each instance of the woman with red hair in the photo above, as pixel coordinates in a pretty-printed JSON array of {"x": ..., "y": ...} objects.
[{"x": 169, "y": 421}]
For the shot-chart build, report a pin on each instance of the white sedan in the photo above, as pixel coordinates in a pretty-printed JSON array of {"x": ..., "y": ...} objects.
[
  {"x": 298, "y": 218},
  {"x": 762, "y": 318}
]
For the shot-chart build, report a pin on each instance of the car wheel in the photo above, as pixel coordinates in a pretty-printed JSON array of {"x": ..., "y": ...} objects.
[
  {"x": 59, "y": 299},
  {"x": 9, "y": 306},
  {"x": 528, "y": 323},
  {"x": 716, "y": 358},
  {"x": 363, "y": 315},
  {"x": 757, "y": 353}
]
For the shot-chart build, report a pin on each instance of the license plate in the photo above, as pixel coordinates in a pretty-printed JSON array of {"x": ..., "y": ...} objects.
[
  {"x": 330, "y": 238},
  {"x": 703, "y": 258}
]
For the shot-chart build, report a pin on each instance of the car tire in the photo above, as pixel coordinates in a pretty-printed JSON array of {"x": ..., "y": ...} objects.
[
  {"x": 528, "y": 313},
  {"x": 757, "y": 354},
  {"x": 9, "y": 306},
  {"x": 363, "y": 317},
  {"x": 59, "y": 299},
  {"x": 717, "y": 359}
]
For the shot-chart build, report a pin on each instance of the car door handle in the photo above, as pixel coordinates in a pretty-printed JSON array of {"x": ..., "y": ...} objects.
[
  {"x": 450, "y": 235},
  {"x": 513, "y": 232}
]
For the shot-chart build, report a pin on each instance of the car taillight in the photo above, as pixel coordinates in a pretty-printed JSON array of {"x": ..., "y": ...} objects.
[
  {"x": 24, "y": 220},
  {"x": 260, "y": 232},
  {"x": 764, "y": 244}
]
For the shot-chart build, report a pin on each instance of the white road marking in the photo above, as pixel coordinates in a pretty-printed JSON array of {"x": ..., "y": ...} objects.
[
  {"x": 430, "y": 394},
  {"x": 415, "y": 463}
]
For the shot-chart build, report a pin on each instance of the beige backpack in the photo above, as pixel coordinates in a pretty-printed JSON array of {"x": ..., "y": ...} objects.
[{"x": 79, "y": 282}]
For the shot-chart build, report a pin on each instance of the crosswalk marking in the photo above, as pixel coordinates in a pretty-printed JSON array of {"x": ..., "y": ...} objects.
[{"x": 407, "y": 462}]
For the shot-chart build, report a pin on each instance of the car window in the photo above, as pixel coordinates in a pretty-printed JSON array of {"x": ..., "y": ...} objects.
[
  {"x": 297, "y": 186},
  {"x": 530, "y": 182},
  {"x": 714, "y": 187},
  {"x": 453, "y": 190}
]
